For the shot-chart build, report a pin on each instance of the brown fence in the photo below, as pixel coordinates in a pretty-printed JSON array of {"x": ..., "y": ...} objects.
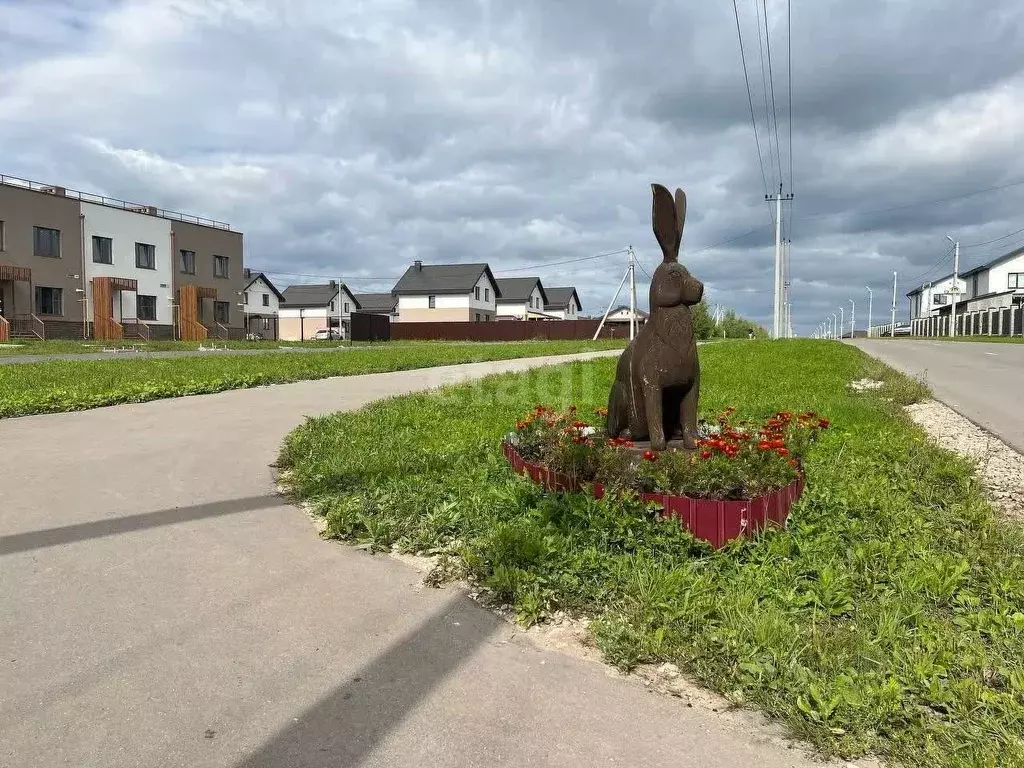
[
  {"x": 370, "y": 327},
  {"x": 508, "y": 330}
]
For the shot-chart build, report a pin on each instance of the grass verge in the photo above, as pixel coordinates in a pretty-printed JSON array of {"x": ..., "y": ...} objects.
[
  {"x": 69, "y": 385},
  {"x": 888, "y": 618}
]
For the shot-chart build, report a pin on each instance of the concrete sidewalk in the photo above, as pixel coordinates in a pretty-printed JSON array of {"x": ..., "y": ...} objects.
[{"x": 163, "y": 607}]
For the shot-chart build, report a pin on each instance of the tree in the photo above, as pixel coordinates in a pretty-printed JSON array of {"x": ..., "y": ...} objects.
[
  {"x": 703, "y": 325},
  {"x": 732, "y": 326}
]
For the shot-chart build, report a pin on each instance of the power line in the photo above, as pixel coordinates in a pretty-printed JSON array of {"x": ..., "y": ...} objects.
[
  {"x": 917, "y": 204},
  {"x": 932, "y": 268},
  {"x": 989, "y": 242},
  {"x": 789, "y": 47},
  {"x": 750, "y": 99},
  {"x": 764, "y": 86},
  {"x": 362, "y": 279},
  {"x": 771, "y": 82}
]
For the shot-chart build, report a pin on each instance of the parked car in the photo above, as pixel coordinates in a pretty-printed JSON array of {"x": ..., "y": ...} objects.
[{"x": 327, "y": 334}]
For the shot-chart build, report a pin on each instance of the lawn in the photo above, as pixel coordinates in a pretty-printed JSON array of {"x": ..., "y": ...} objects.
[
  {"x": 69, "y": 385},
  {"x": 888, "y": 618},
  {"x": 19, "y": 347}
]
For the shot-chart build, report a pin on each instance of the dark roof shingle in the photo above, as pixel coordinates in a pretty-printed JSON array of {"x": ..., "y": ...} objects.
[
  {"x": 520, "y": 288},
  {"x": 558, "y": 298},
  {"x": 443, "y": 278},
  {"x": 377, "y": 302},
  {"x": 313, "y": 295}
]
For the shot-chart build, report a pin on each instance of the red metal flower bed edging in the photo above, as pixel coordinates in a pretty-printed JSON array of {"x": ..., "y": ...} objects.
[{"x": 712, "y": 520}]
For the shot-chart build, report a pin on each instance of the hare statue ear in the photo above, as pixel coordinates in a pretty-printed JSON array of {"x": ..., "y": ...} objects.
[
  {"x": 667, "y": 225},
  {"x": 680, "y": 216}
]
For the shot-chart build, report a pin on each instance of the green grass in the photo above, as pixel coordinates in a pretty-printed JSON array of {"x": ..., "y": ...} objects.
[
  {"x": 69, "y": 385},
  {"x": 19, "y": 347},
  {"x": 888, "y": 618}
]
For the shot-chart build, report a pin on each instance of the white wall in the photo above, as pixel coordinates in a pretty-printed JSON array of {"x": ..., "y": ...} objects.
[
  {"x": 442, "y": 301},
  {"x": 125, "y": 228},
  {"x": 1000, "y": 272},
  {"x": 939, "y": 287},
  {"x": 490, "y": 303},
  {"x": 254, "y": 303}
]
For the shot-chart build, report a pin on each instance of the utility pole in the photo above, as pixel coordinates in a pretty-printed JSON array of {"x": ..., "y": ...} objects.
[
  {"x": 622, "y": 282},
  {"x": 835, "y": 326},
  {"x": 955, "y": 290},
  {"x": 842, "y": 322},
  {"x": 893, "y": 333},
  {"x": 853, "y": 319},
  {"x": 777, "y": 318},
  {"x": 632, "y": 294},
  {"x": 869, "y": 309}
]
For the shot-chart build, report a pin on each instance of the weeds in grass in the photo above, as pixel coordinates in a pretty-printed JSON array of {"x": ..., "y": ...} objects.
[{"x": 888, "y": 617}]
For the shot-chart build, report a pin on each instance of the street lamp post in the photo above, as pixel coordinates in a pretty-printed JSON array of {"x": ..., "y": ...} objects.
[
  {"x": 955, "y": 290},
  {"x": 835, "y": 326},
  {"x": 870, "y": 296},
  {"x": 853, "y": 319},
  {"x": 842, "y": 322}
]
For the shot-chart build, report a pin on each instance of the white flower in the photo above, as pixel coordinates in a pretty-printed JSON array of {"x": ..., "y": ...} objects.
[{"x": 588, "y": 431}]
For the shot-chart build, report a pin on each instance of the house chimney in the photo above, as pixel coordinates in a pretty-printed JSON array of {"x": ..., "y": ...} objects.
[
  {"x": 419, "y": 265},
  {"x": 334, "y": 283},
  {"x": 246, "y": 273}
]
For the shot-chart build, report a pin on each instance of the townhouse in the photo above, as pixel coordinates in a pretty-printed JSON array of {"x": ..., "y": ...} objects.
[
  {"x": 78, "y": 265},
  {"x": 306, "y": 309},
  {"x": 447, "y": 293},
  {"x": 522, "y": 298}
]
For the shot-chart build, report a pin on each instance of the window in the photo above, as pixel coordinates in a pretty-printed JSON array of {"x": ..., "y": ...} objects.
[
  {"x": 222, "y": 311},
  {"x": 245, "y": 297},
  {"x": 476, "y": 293},
  {"x": 478, "y": 317},
  {"x": 432, "y": 302},
  {"x": 345, "y": 309},
  {"x": 220, "y": 266},
  {"x": 102, "y": 250},
  {"x": 49, "y": 301},
  {"x": 487, "y": 294},
  {"x": 332, "y": 306},
  {"x": 1014, "y": 279},
  {"x": 145, "y": 307},
  {"x": 145, "y": 256},
  {"x": 266, "y": 299},
  {"x": 187, "y": 262},
  {"x": 46, "y": 242}
]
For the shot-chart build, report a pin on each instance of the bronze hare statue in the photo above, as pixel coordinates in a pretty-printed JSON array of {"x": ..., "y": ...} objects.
[{"x": 657, "y": 381}]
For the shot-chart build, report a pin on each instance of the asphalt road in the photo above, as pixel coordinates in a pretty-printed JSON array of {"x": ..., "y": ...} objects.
[
  {"x": 163, "y": 607},
  {"x": 983, "y": 382}
]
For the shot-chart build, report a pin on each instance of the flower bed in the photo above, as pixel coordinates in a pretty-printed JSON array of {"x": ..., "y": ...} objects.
[{"x": 741, "y": 478}]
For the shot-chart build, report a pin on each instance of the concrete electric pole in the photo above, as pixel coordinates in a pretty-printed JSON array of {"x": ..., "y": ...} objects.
[
  {"x": 777, "y": 318},
  {"x": 869, "y": 309}
]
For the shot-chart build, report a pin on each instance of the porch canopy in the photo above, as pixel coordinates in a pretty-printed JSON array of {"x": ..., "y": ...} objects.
[{"x": 15, "y": 274}]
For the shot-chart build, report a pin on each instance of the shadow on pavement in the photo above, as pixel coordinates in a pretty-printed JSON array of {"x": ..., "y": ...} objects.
[
  {"x": 345, "y": 727},
  {"x": 52, "y": 537}
]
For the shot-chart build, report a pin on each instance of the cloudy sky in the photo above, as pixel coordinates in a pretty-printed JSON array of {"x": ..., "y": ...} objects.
[{"x": 349, "y": 138}]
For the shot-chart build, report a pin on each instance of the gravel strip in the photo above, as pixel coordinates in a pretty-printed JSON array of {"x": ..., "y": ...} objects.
[{"x": 1000, "y": 468}]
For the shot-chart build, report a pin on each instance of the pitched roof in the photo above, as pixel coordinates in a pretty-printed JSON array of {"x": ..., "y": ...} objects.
[
  {"x": 973, "y": 270},
  {"x": 260, "y": 276},
  {"x": 376, "y": 302},
  {"x": 520, "y": 288},
  {"x": 443, "y": 278},
  {"x": 558, "y": 298},
  {"x": 313, "y": 295}
]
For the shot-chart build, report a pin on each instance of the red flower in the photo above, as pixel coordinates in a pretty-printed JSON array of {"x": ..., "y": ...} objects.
[
  {"x": 782, "y": 451},
  {"x": 778, "y": 443},
  {"x": 705, "y": 454},
  {"x": 764, "y": 445},
  {"x": 580, "y": 424},
  {"x": 824, "y": 423},
  {"x": 650, "y": 456}
]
